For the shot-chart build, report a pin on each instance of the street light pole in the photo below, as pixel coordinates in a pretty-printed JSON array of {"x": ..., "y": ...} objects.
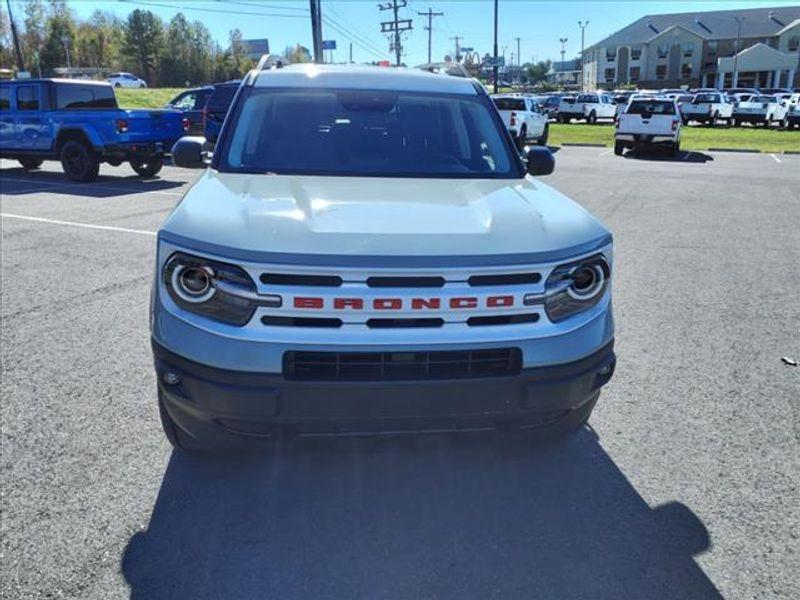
[
  {"x": 735, "y": 80},
  {"x": 563, "y": 52},
  {"x": 494, "y": 67},
  {"x": 582, "y": 25}
]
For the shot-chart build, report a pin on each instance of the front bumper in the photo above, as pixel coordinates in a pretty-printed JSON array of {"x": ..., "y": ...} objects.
[{"x": 225, "y": 408}]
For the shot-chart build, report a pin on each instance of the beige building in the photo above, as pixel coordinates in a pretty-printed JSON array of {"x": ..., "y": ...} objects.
[{"x": 700, "y": 50}]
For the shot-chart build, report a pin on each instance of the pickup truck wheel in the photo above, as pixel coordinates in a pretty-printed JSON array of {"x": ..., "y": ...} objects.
[
  {"x": 78, "y": 162},
  {"x": 542, "y": 141},
  {"x": 785, "y": 123},
  {"x": 148, "y": 167},
  {"x": 522, "y": 136},
  {"x": 592, "y": 118},
  {"x": 619, "y": 148},
  {"x": 675, "y": 149},
  {"x": 29, "y": 164}
]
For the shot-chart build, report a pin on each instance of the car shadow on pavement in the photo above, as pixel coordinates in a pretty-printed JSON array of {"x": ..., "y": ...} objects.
[
  {"x": 17, "y": 181},
  {"x": 687, "y": 156},
  {"x": 471, "y": 516}
]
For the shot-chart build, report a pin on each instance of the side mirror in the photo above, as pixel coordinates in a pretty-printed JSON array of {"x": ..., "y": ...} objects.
[
  {"x": 540, "y": 161},
  {"x": 187, "y": 152}
]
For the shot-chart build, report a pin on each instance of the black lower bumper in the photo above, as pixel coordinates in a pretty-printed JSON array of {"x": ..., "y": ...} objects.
[
  {"x": 131, "y": 150},
  {"x": 218, "y": 407},
  {"x": 747, "y": 118}
]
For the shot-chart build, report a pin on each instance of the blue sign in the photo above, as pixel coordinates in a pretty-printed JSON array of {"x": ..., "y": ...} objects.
[
  {"x": 467, "y": 49},
  {"x": 329, "y": 44}
]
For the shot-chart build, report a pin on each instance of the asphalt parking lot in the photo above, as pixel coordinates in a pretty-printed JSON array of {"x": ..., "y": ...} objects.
[{"x": 685, "y": 486}]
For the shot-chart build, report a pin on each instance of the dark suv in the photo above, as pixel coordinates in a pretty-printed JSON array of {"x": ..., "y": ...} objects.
[{"x": 217, "y": 107}]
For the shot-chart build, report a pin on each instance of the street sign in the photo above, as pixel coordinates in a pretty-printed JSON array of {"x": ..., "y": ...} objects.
[
  {"x": 489, "y": 62},
  {"x": 466, "y": 49},
  {"x": 329, "y": 44}
]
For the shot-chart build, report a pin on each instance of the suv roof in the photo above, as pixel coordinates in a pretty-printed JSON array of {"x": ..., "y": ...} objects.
[{"x": 364, "y": 77}]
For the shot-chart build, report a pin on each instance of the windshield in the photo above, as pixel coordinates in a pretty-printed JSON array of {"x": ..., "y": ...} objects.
[
  {"x": 651, "y": 107},
  {"x": 509, "y": 103},
  {"x": 367, "y": 133},
  {"x": 703, "y": 98},
  {"x": 762, "y": 99}
]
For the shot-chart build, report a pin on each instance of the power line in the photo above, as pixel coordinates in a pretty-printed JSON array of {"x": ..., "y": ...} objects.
[
  {"x": 360, "y": 40},
  {"x": 430, "y": 14},
  {"x": 212, "y": 10}
]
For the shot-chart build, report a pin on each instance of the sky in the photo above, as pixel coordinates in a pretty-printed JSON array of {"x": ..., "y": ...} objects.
[{"x": 538, "y": 24}]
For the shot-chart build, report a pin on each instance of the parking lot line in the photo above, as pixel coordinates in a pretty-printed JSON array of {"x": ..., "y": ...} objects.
[
  {"x": 115, "y": 188},
  {"x": 777, "y": 160},
  {"x": 75, "y": 224}
]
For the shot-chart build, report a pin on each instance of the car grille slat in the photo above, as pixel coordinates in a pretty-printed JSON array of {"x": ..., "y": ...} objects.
[{"x": 401, "y": 366}]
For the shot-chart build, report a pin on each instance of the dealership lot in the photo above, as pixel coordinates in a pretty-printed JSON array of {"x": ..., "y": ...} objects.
[{"x": 686, "y": 486}]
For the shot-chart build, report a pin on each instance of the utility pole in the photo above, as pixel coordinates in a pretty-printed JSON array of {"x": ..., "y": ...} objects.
[
  {"x": 457, "y": 39},
  {"x": 735, "y": 79},
  {"x": 20, "y": 64},
  {"x": 563, "y": 51},
  {"x": 316, "y": 30},
  {"x": 583, "y": 25},
  {"x": 351, "y": 52},
  {"x": 395, "y": 27},
  {"x": 519, "y": 55},
  {"x": 430, "y": 14},
  {"x": 494, "y": 67}
]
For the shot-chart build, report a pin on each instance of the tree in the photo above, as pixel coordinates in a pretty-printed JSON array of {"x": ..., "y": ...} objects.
[
  {"x": 60, "y": 36},
  {"x": 175, "y": 55},
  {"x": 144, "y": 36},
  {"x": 537, "y": 72},
  {"x": 34, "y": 36},
  {"x": 297, "y": 54}
]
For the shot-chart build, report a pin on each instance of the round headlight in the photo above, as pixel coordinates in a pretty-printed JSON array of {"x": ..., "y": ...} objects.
[
  {"x": 587, "y": 281},
  {"x": 193, "y": 284}
]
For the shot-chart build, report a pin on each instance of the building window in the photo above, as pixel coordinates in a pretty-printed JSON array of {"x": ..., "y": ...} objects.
[
  {"x": 635, "y": 73},
  {"x": 636, "y": 53},
  {"x": 686, "y": 70},
  {"x": 662, "y": 50},
  {"x": 712, "y": 47},
  {"x": 611, "y": 54},
  {"x": 688, "y": 49},
  {"x": 661, "y": 71},
  {"x": 610, "y": 74},
  {"x": 794, "y": 43}
]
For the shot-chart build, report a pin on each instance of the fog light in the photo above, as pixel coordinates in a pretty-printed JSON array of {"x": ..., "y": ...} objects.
[{"x": 171, "y": 378}]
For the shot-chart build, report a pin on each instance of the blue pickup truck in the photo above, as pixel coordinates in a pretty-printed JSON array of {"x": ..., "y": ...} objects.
[{"x": 79, "y": 123}]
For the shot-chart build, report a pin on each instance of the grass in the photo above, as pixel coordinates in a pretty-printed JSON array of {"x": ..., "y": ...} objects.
[
  {"x": 145, "y": 98},
  {"x": 693, "y": 137}
]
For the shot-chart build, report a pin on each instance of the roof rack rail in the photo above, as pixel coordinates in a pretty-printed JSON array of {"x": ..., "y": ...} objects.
[{"x": 271, "y": 61}]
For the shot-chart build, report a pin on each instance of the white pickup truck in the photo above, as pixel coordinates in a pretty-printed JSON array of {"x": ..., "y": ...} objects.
[
  {"x": 524, "y": 118},
  {"x": 648, "y": 122},
  {"x": 590, "y": 107},
  {"x": 707, "y": 107},
  {"x": 758, "y": 110}
]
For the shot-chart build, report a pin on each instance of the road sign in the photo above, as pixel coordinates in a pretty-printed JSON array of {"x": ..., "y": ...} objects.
[
  {"x": 489, "y": 62},
  {"x": 329, "y": 44},
  {"x": 466, "y": 49}
]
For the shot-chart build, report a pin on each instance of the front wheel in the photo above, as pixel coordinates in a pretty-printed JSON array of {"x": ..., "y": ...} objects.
[
  {"x": 142, "y": 86},
  {"x": 619, "y": 148},
  {"x": 30, "y": 164},
  {"x": 78, "y": 162},
  {"x": 147, "y": 167},
  {"x": 117, "y": 85},
  {"x": 592, "y": 118},
  {"x": 675, "y": 149}
]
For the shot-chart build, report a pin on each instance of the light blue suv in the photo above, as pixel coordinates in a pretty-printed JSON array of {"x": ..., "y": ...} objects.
[{"x": 368, "y": 253}]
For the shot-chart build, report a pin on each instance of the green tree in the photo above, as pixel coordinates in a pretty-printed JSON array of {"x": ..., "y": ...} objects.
[
  {"x": 201, "y": 53},
  {"x": 144, "y": 37},
  {"x": 176, "y": 53},
  {"x": 60, "y": 36},
  {"x": 297, "y": 54},
  {"x": 34, "y": 36},
  {"x": 537, "y": 72}
]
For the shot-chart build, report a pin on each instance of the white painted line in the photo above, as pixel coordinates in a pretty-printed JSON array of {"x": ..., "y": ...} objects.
[
  {"x": 777, "y": 160},
  {"x": 74, "y": 224},
  {"x": 93, "y": 186},
  {"x": 605, "y": 152}
]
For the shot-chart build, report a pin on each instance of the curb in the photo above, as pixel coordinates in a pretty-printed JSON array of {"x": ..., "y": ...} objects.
[
  {"x": 791, "y": 152},
  {"x": 744, "y": 150},
  {"x": 583, "y": 145}
]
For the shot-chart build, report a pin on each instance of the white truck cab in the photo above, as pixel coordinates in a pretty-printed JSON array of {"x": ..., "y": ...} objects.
[
  {"x": 589, "y": 107},
  {"x": 523, "y": 117},
  {"x": 648, "y": 122},
  {"x": 708, "y": 108},
  {"x": 388, "y": 263}
]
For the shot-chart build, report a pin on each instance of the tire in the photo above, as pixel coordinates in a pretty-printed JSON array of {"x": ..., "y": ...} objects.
[
  {"x": 78, "y": 162},
  {"x": 619, "y": 148},
  {"x": 148, "y": 167},
  {"x": 30, "y": 164},
  {"x": 675, "y": 149},
  {"x": 592, "y": 118},
  {"x": 737, "y": 123},
  {"x": 542, "y": 141},
  {"x": 522, "y": 137},
  {"x": 118, "y": 85},
  {"x": 142, "y": 86}
]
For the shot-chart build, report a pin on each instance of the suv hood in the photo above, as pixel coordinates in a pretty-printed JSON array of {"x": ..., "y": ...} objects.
[{"x": 374, "y": 216}]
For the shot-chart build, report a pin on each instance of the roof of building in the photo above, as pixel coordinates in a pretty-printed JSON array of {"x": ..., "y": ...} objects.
[
  {"x": 364, "y": 77},
  {"x": 714, "y": 25}
]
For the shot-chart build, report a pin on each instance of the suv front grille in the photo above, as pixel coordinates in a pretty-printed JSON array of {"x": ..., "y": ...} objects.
[{"x": 400, "y": 366}]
